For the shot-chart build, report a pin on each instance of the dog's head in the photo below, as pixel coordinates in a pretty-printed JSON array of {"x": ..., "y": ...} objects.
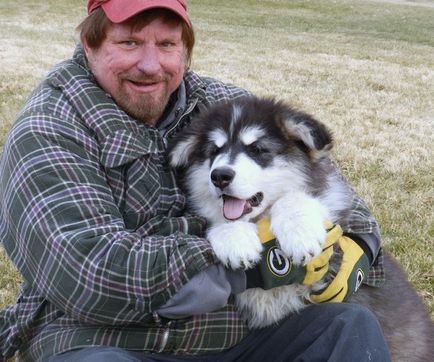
[{"x": 240, "y": 156}]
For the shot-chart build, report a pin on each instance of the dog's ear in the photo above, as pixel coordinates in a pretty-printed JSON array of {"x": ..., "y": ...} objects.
[
  {"x": 182, "y": 150},
  {"x": 315, "y": 137}
]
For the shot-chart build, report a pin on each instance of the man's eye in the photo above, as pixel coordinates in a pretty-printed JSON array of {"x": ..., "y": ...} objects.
[
  {"x": 166, "y": 44},
  {"x": 129, "y": 43}
]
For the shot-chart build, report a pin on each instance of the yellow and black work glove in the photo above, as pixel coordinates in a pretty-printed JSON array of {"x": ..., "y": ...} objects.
[
  {"x": 353, "y": 270},
  {"x": 275, "y": 269}
]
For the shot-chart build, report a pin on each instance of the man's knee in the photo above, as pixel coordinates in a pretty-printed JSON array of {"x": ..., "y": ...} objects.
[{"x": 357, "y": 314}]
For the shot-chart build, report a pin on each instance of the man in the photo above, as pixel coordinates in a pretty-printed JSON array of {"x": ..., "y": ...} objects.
[{"x": 90, "y": 213}]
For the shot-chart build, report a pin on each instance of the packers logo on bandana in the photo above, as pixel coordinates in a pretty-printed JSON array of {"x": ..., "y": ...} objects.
[
  {"x": 277, "y": 263},
  {"x": 359, "y": 279}
]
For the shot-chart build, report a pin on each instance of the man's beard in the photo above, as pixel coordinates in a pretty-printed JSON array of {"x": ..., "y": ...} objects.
[{"x": 144, "y": 107}]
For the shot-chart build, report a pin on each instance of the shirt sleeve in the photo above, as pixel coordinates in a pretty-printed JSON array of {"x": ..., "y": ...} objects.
[
  {"x": 359, "y": 223},
  {"x": 64, "y": 231},
  {"x": 205, "y": 292}
]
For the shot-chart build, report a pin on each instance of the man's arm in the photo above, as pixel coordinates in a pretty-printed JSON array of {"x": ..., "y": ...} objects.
[{"x": 65, "y": 233}]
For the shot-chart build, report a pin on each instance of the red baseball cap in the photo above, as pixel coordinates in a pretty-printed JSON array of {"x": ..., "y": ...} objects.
[{"x": 120, "y": 10}]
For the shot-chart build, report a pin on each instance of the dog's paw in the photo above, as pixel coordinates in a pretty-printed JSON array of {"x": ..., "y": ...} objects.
[
  {"x": 236, "y": 244},
  {"x": 304, "y": 243},
  {"x": 298, "y": 224}
]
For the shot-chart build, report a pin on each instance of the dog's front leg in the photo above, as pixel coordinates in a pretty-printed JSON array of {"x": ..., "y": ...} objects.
[
  {"x": 236, "y": 244},
  {"x": 297, "y": 221}
]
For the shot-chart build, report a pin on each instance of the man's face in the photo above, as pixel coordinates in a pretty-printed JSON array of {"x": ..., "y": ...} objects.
[{"x": 140, "y": 69}]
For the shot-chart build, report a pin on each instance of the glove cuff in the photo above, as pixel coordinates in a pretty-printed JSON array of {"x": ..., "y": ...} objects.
[{"x": 363, "y": 245}]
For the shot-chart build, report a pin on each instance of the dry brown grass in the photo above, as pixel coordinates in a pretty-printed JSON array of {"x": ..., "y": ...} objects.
[{"x": 365, "y": 68}]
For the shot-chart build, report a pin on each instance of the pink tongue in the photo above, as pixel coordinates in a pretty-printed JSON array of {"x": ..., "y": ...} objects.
[{"x": 233, "y": 208}]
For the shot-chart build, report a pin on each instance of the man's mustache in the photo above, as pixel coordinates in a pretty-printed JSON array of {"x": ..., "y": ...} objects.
[{"x": 143, "y": 79}]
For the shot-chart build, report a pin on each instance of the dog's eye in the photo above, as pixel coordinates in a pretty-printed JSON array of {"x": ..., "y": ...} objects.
[
  {"x": 256, "y": 149},
  {"x": 213, "y": 150}
]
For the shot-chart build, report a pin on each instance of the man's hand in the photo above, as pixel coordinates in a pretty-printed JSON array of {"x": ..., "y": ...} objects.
[
  {"x": 275, "y": 269},
  {"x": 353, "y": 270}
]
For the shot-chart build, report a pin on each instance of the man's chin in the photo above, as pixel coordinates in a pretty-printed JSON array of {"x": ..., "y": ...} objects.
[{"x": 144, "y": 108}]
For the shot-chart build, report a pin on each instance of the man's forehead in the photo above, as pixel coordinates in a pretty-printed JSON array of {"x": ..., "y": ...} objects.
[{"x": 158, "y": 26}]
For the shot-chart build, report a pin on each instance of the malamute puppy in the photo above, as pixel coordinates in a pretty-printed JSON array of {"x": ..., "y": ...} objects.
[{"x": 246, "y": 159}]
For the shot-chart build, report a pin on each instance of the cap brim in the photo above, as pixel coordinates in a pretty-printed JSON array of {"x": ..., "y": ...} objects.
[{"x": 119, "y": 11}]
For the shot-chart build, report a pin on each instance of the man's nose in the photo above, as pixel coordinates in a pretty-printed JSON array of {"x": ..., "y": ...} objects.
[{"x": 149, "y": 62}]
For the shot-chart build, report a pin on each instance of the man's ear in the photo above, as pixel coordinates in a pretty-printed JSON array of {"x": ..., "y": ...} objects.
[
  {"x": 314, "y": 135},
  {"x": 180, "y": 154},
  {"x": 86, "y": 48},
  {"x": 88, "y": 51}
]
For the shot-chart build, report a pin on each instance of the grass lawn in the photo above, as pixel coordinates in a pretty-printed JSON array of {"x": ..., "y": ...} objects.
[{"x": 365, "y": 68}]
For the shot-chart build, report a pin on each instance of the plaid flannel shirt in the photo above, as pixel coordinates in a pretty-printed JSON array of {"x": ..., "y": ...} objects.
[{"x": 91, "y": 215}]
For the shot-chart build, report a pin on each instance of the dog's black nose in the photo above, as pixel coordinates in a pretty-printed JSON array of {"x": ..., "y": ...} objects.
[{"x": 222, "y": 177}]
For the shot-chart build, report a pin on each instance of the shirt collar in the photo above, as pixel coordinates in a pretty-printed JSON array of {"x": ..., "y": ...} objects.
[{"x": 174, "y": 109}]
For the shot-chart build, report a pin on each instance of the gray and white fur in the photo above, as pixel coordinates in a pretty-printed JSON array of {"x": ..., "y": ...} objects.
[{"x": 245, "y": 159}]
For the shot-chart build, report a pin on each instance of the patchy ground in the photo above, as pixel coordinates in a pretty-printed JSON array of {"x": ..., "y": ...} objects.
[{"x": 425, "y": 3}]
